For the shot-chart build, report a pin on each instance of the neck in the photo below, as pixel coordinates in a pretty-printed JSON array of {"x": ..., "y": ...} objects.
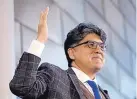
[{"x": 90, "y": 73}]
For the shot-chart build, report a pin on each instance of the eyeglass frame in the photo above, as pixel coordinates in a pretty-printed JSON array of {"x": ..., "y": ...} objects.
[{"x": 93, "y": 42}]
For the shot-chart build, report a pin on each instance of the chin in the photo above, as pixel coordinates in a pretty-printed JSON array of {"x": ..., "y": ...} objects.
[{"x": 98, "y": 66}]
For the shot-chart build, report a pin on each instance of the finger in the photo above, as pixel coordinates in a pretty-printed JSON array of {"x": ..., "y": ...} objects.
[
  {"x": 41, "y": 15},
  {"x": 45, "y": 14},
  {"x": 46, "y": 11}
]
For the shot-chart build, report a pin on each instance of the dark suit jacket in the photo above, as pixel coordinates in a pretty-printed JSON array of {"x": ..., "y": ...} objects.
[{"x": 46, "y": 82}]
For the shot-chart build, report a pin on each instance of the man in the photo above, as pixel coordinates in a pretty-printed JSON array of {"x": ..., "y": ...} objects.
[{"x": 84, "y": 49}]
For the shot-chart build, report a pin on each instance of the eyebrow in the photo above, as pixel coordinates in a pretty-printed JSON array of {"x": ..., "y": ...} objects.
[{"x": 94, "y": 41}]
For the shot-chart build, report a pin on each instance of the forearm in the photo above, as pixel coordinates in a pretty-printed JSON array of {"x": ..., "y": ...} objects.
[{"x": 25, "y": 74}]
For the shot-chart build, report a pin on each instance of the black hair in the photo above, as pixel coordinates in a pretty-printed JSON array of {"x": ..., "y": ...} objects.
[{"x": 78, "y": 33}]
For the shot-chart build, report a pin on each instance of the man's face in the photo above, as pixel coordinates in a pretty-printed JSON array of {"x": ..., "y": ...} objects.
[{"x": 88, "y": 57}]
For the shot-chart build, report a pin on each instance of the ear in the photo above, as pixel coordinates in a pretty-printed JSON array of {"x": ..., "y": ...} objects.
[{"x": 71, "y": 53}]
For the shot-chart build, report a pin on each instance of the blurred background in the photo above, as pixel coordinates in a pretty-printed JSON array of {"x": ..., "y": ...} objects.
[{"x": 18, "y": 27}]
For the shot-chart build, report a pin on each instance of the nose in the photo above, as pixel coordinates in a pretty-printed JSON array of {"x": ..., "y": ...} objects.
[{"x": 98, "y": 49}]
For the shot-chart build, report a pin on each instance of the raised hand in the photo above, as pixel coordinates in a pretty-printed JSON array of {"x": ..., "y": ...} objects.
[{"x": 43, "y": 27}]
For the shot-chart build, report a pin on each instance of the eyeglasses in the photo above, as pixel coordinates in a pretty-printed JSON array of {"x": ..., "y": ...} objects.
[{"x": 93, "y": 45}]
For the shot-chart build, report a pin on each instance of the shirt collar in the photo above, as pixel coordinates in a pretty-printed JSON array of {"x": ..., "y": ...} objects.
[{"x": 82, "y": 76}]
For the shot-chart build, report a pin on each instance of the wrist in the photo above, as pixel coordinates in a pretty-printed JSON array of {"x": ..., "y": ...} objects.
[{"x": 41, "y": 40}]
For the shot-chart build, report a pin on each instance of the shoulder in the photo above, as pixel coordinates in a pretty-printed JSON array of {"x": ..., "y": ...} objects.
[
  {"x": 52, "y": 72},
  {"x": 50, "y": 67}
]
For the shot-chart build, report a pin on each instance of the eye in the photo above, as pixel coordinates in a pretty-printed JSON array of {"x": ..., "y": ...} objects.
[
  {"x": 92, "y": 44},
  {"x": 102, "y": 46}
]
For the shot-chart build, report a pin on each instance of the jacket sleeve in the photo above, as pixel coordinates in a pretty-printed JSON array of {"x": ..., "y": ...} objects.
[{"x": 30, "y": 81}]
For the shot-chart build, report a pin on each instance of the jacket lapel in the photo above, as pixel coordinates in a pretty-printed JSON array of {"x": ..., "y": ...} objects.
[
  {"x": 75, "y": 81},
  {"x": 104, "y": 92}
]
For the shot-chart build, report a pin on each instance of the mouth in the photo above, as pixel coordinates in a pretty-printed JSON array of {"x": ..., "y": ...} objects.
[{"x": 97, "y": 58}]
